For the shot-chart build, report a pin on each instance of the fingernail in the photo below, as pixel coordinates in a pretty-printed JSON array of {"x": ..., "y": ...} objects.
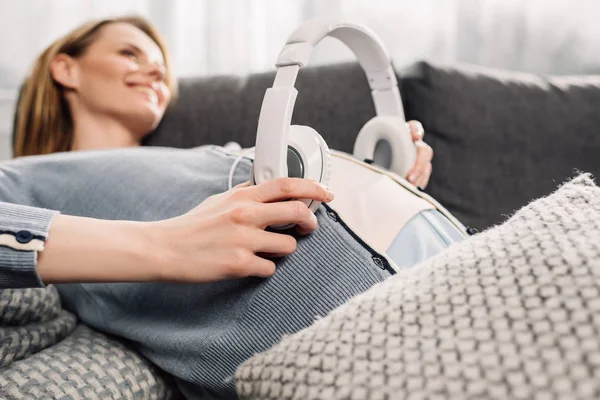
[
  {"x": 420, "y": 130},
  {"x": 412, "y": 178},
  {"x": 330, "y": 195},
  {"x": 314, "y": 218}
]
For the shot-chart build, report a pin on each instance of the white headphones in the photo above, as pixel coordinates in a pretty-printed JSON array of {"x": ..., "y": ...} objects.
[{"x": 284, "y": 150}]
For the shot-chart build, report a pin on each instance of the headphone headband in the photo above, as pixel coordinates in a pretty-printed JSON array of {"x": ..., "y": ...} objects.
[
  {"x": 278, "y": 104},
  {"x": 368, "y": 49}
]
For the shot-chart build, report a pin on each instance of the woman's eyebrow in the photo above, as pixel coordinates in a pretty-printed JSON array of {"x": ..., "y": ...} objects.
[
  {"x": 139, "y": 50},
  {"x": 136, "y": 48}
]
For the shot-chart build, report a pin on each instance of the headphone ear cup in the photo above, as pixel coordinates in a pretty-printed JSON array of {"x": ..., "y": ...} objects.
[
  {"x": 326, "y": 154},
  {"x": 388, "y": 142},
  {"x": 314, "y": 155}
]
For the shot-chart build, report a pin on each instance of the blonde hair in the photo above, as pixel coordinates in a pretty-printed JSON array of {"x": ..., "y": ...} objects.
[{"x": 43, "y": 123}]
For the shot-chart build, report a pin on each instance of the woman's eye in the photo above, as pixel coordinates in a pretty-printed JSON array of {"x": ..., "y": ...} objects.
[{"x": 130, "y": 54}]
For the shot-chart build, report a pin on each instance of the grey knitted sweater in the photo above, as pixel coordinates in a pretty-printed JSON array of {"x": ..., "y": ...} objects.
[{"x": 197, "y": 333}]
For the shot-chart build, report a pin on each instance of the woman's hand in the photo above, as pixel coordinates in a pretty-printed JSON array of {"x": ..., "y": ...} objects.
[
  {"x": 421, "y": 171},
  {"x": 224, "y": 237},
  {"x": 221, "y": 238}
]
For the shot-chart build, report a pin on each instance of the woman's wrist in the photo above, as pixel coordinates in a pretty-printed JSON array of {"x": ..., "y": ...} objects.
[
  {"x": 162, "y": 255},
  {"x": 80, "y": 249}
]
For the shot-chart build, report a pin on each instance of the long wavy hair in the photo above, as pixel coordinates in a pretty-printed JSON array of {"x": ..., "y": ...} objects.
[{"x": 43, "y": 123}]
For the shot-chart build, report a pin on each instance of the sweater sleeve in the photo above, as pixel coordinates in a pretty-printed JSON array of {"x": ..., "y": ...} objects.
[{"x": 23, "y": 232}]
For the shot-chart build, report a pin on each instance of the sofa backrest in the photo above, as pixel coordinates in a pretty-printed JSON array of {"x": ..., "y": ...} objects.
[
  {"x": 334, "y": 99},
  {"x": 502, "y": 138}
]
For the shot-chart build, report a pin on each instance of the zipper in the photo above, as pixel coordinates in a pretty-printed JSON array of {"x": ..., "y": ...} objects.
[{"x": 380, "y": 260}]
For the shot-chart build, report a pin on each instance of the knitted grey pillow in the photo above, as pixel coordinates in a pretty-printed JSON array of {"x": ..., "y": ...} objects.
[
  {"x": 86, "y": 365},
  {"x": 30, "y": 321},
  {"x": 513, "y": 312},
  {"x": 45, "y": 355}
]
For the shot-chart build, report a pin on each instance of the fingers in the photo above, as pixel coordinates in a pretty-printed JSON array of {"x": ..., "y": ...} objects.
[
  {"x": 421, "y": 172},
  {"x": 289, "y": 188},
  {"x": 242, "y": 185},
  {"x": 247, "y": 264},
  {"x": 261, "y": 267},
  {"x": 289, "y": 212},
  {"x": 423, "y": 162},
  {"x": 256, "y": 258},
  {"x": 424, "y": 179},
  {"x": 272, "y": 244},
  {"x": 416, "y": 130}
]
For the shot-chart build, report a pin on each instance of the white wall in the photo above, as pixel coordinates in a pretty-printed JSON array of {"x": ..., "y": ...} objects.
[
  {"x": 209, "y": 37},
  {"x": 6, "y": 117}
]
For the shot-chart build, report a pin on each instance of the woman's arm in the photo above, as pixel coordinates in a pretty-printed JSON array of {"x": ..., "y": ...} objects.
[
  {"x": 82, "y": 249},
  {"x": 224, "y": 237}
]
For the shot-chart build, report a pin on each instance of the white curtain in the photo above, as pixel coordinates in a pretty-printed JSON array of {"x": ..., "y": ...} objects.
[
  {"x": 208, "y": 37},
  {"x": 241, "y": 36}
]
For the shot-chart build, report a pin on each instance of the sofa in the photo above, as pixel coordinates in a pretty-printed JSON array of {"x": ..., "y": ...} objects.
[{"x": 501, "y": 139}]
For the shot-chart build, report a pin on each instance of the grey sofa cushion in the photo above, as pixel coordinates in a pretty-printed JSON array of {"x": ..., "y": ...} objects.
[
  {"x": 502, "y": 138},
  {"x": 511, "y": 313}
]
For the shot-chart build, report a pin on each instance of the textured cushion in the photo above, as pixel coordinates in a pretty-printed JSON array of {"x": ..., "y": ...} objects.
[
  {"x": 502, "y": 138},
  {"x": 513, "y": 312},
  {"x": 85, "y": 365},
  {"x": 30, "y": 321},
  {"x": 45, "y": 355}
]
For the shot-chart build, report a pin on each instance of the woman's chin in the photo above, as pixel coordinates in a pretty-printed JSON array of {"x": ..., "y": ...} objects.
[{"x": 145, "y": 121}]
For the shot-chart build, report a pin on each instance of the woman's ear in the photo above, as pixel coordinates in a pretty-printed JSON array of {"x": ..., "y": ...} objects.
[{"x": 64, "y": 70}]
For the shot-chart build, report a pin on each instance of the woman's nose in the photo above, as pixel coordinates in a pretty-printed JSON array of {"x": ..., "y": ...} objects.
[{"x": 156, "y": 70}]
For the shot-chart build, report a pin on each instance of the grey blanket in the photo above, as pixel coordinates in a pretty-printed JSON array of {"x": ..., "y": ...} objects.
[
  {"x": 30, "y": 321},
  {"x": 513, "y": 312},
  {"x": 44, "y": 354}
]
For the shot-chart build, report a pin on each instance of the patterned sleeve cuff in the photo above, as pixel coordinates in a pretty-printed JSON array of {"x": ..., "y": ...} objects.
[
  {"x": 18, "y": 269},
  {"x": 23, "y": 231}
]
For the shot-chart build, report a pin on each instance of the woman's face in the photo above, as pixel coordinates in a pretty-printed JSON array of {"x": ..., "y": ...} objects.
[{"x": 121, "y": 74}]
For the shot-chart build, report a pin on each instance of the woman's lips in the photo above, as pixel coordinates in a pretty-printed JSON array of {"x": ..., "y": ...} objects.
[{"x": 149, "y": 93}]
